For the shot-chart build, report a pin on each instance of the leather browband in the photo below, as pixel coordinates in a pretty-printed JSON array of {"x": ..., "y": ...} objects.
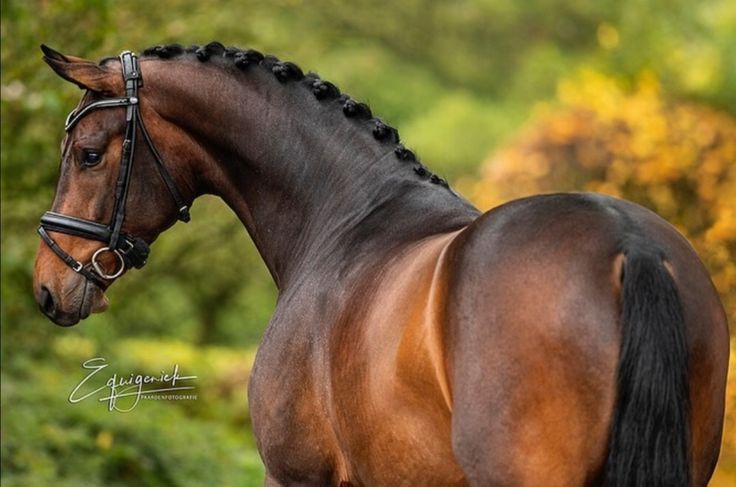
[{"x": 76, "y": 115}]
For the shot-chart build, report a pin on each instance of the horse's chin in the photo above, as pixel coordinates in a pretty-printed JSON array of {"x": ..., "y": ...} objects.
[
  {"x": 99, "y": 301},
  {"x": 93, "y": 300}
]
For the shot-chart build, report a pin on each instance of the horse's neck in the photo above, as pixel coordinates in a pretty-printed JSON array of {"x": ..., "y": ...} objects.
[{"x": 315, "y": 190}]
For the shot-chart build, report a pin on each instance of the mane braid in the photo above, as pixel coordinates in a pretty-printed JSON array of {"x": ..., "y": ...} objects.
[{"x": 285, "y": 72}]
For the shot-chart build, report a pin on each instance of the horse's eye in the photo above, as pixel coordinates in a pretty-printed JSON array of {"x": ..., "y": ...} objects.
[{"x": 90, "y": 158}]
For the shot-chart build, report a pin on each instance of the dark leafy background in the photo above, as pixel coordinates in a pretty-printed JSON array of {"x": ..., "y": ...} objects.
[{"x": 489, "y": 92}]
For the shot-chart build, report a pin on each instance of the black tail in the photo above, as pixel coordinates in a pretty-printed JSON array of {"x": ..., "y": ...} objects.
[{"x": 650, "y": 438}]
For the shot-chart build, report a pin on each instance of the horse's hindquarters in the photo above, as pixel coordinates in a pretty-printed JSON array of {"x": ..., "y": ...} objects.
[
  {"x": 534, "y": 334},
  {"x": 533, "y": 364}
]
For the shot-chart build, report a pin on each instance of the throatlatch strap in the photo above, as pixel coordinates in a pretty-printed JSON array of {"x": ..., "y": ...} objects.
[{"x": 182, "y": 208}]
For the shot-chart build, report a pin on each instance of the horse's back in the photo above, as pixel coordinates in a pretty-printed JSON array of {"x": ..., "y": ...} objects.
[{"x": 534, "y": 334}]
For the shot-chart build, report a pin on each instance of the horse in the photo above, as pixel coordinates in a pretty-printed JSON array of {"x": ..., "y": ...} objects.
[{"x": 562, "y": 339}]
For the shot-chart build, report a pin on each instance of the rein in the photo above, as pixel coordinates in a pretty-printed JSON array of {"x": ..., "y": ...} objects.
[{"x": 131, "y": 251}]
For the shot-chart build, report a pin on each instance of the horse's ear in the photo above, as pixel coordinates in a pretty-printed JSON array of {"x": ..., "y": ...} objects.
[{"x": 82, "y": 72}]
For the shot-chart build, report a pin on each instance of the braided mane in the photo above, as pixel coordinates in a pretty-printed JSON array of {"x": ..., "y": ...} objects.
[{"x": 288, "y": 72}]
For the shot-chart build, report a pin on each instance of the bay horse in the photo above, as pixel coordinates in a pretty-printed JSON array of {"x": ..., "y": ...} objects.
[{"x": 556, "y": 340}]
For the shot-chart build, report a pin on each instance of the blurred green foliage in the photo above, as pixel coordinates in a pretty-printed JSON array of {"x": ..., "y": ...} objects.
[
  {"x": 47, "y": 441},
  {"x": 458, "y": 79}
]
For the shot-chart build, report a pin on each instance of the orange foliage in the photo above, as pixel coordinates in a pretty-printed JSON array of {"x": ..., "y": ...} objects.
[{"x": 678, "y": 159}]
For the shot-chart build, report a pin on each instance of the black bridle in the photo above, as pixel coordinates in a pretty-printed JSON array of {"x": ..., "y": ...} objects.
[{"x": 130, "y": 251}]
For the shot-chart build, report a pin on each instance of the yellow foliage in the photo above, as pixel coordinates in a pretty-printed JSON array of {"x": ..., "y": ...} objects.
[{"x": 678, "y": 159}]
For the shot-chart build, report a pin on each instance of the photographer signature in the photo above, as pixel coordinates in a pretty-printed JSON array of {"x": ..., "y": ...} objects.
[{"x": 134, "y": 386}]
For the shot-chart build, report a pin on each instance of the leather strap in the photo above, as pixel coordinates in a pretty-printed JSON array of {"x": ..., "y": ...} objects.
[
  {"x": 71, "y": 261},
  {"x": 70, "y": 225},
  {"x": 131, "y": 76},
  {"x": 76, "y": 115},
  {"x": 182, "y": 208},
  {"x": 134, "y": 250}
]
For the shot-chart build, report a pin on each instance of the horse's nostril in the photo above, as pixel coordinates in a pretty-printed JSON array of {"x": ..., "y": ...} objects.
[{"x": 46, "y": 302}]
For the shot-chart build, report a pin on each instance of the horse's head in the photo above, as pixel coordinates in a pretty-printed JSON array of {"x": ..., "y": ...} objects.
[{"x": 116, "y": 192}]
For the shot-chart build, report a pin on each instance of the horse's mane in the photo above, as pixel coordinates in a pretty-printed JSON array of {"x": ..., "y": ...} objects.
[{"x": 285, "y": 72}]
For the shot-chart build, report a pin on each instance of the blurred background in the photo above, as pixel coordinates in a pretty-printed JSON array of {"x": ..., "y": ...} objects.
[{"x": 634, "y": 98}]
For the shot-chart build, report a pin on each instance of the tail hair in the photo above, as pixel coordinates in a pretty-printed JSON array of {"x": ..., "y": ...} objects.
[{"x": 650, "y": 437}]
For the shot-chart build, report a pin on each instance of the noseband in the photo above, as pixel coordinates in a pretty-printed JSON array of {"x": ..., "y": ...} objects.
[{"x": 129, "y": 250}]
